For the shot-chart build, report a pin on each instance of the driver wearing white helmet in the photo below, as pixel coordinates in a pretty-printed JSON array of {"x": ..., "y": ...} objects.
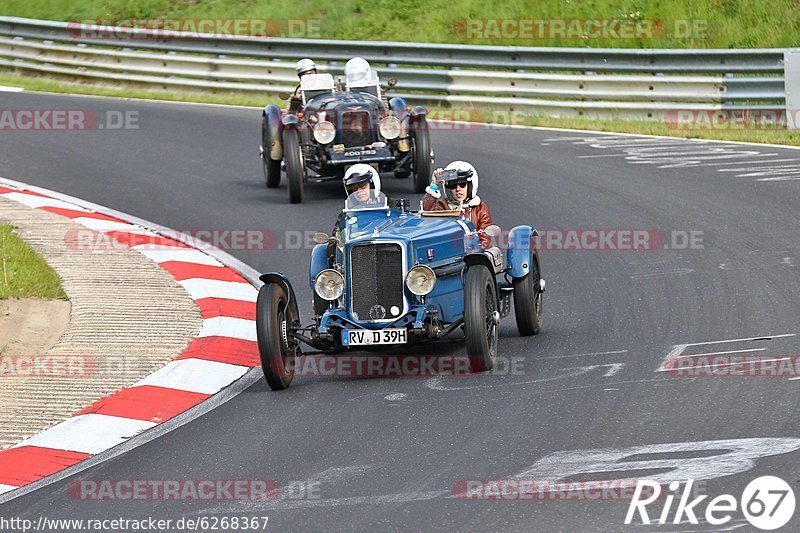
[
  {"x": 303, "y": 67},
  {"x": 460, "y": 193},
  {"x": 362, "y": 183}
]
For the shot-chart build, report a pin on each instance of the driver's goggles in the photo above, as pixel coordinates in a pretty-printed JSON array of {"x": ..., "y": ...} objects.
[
  {"x": 354, "y": 188},
  {"x": 456, "y": 185}
]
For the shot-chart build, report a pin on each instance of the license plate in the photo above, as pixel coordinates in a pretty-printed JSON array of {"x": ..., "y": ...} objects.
[{"x": 368, "y": 337}]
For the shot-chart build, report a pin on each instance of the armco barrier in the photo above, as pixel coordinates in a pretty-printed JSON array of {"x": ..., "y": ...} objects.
[{"x": 594, "y": 83}]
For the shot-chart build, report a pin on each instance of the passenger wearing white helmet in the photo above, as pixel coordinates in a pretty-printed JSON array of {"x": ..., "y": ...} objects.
[
  {"x": 457, "y": 190},
  {"x": 358, "y": 73},
  {"x": 303, "y": 67}
]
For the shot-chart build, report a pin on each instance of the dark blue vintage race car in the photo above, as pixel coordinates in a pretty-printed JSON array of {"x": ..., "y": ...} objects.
[
  {"x": 336, "y": 127},
  {"x": 400, "y": 277}
]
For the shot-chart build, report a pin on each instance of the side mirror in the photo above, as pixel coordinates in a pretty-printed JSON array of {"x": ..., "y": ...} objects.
[
  {"x": 320, "y": 238},
  {"x": 284, "y": 96},
  {"x": 391, "y": 82},
  {"x": 493, "y": 231}
]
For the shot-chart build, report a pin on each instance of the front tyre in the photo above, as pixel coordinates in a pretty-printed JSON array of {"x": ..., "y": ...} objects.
[
  {"x": 480, "y": 318},
  {"x": 295, "y": 170},
  {"x": 528, "y": 301},
  {"x": 423, "y": 160},
  {"x": 274, "y": 315}
]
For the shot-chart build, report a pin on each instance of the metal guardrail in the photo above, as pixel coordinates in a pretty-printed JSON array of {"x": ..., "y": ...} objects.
[{"x": 595, "y": 83}]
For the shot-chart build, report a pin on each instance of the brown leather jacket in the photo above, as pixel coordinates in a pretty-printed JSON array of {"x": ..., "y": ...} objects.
[{"x": 475, "y": 210}]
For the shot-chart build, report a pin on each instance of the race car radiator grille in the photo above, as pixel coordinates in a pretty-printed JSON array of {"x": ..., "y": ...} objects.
[
  {"x": 376, "y": 281},
  {"x": 356, "y": 130}
]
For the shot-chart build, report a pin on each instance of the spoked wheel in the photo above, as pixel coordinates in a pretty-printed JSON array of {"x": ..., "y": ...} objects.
[
  {"x": 422, "y": 159},
  {"x": 529, "y": 301},
  {"x": 278, "y": 351},
  {"x": 480, "y": 318},
  {"x": 272, "y": 169}
]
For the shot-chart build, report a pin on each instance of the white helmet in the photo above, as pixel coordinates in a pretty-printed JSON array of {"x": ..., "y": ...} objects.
[
  {"x": 361, "y": 173},
  {"x": 470, "y": 174},
  {"x": 357, "y": 72},
  {"x": 304, "y": 65}
]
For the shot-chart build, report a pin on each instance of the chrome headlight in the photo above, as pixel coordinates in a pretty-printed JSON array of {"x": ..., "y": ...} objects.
[
  {"x": 421, "y": 280},
  {"x": 324, "y": 132},
  {"x": 389, "y": 127},
  {"x": 329, "y": 285}
]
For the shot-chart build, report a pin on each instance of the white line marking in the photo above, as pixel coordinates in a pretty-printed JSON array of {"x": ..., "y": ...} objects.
[
  {"x": 199, "y": 288},
  {"x": 194, "y": 375},
  {"x": 678, "y": 349},
  {"x": 719, "y": 353},
  {"x": 92, "y": 433},
  {"x": 760, "y": 165},
  {"x": 582, "y": 354},
  {"x": 223, "y": 326},
  {"x": 760, "y": 338},
  {"x": 338, "y": 473},
  {"x": 7, "y": 89},
  {"x": 395, "y": 396},
  {"x": 597, "y": 156}
]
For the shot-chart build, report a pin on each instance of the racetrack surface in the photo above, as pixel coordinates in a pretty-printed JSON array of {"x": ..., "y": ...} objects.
[{"x": 387, "y": 453}]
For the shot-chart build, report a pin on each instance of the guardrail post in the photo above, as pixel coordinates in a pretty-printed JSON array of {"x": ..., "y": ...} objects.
[{"x": 791, "y": 80}]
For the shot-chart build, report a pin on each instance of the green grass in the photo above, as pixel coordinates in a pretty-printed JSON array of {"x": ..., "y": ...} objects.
[
  {"x": 622, "y": 126},
  {"x": 23, "y": 272},
  {"x": 716, "y": 23}
]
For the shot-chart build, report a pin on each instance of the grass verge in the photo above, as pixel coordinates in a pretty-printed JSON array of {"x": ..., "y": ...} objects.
[
  {"x": 595, "y": 23},
  {"x": 768, "y": 136},
  {"x": 23, "y": 272}
]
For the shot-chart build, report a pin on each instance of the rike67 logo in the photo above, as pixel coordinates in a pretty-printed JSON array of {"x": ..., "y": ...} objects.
[{"x": 767, "y": 503}]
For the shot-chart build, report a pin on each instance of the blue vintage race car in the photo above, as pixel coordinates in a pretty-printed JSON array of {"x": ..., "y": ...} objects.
[{"x": 401, "y": 277}]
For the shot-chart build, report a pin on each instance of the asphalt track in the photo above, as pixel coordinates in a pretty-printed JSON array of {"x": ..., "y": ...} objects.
[{"x": 387, "y": 453}]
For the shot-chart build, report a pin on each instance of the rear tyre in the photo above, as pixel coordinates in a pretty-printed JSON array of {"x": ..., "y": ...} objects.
[
  {"x": 274, "y": 315},
  {"x": 272, "y": 169},
  {"x": 480, "y": 318},
  {"x": 295, "y": 170},
  {"x": 423, "y": 161},
  {"x": 528, "y": 302}
]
